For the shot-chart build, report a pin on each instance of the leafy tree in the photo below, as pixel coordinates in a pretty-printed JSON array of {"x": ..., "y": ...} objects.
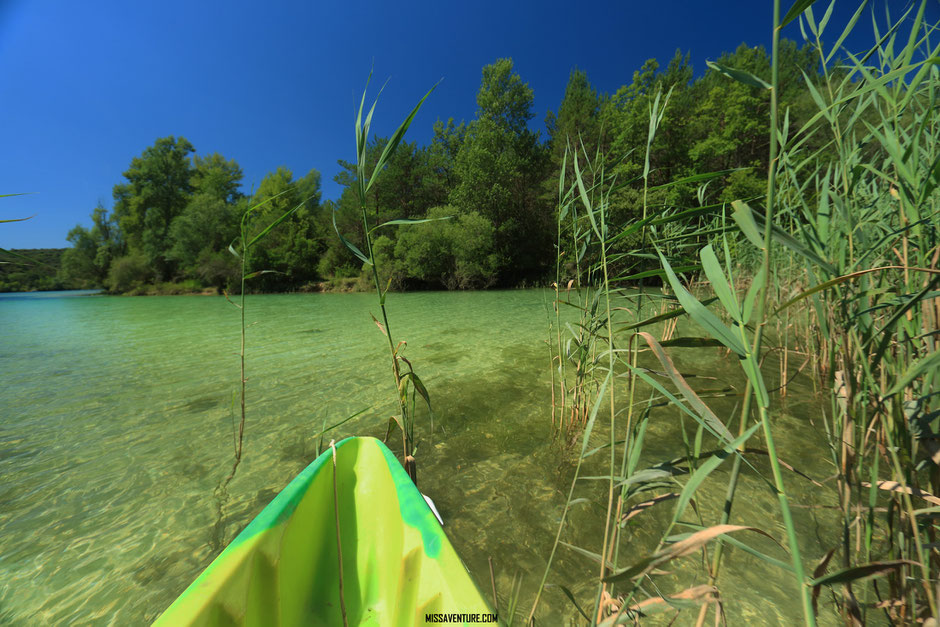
[
  {"x": 442, "y": 159},
  {"x": 500, "y": 167},
  {"x": 199, "y": 235},
  {"x": 157, "y": 190},
  {"x": 207, "y": 225},
  {"x": 86, "y": 264},
  {"x": 293, "y": 249},
  {"x": 455, "y": 253},
  {"x": 30, "y": 269},
  {"x": 504, "y": 99},
  {"x": 472, "y": 239},
  {"x": 577, "y": 121},
  {"x": 414, "y": 179},
  {"x": 217, "y": 177}
]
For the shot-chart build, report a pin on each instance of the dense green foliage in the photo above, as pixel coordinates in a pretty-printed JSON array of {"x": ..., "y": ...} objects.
[
  {"x": 176, "y": 212},
  {"x": 32, "y": 269}
]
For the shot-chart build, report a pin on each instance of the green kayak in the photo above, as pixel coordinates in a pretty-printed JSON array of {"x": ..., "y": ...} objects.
[{"x": 398, "y": 568}]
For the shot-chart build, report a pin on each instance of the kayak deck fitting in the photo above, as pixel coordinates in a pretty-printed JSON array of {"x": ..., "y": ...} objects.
[{"x": 283, "y": 568}]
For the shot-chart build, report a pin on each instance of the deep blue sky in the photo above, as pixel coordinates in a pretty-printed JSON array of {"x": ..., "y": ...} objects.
[{"x": 86, "y": 86}]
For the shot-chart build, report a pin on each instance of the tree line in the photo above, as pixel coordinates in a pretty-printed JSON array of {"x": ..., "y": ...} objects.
[{"x": 175, "y": 213}]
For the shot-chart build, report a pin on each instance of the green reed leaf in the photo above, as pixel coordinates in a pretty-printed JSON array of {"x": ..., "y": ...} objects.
[
  {"x": 787, "y": 240},
  {"x": 842, "y": 279},
  {"x": 407, "y": 221},
  {"x": 748, "y": 549},
  {"x": 684, "y": 215},
  {"x": 706, "y": 468},
  {"x": 697, "y": 178},
  {"x": 751, "y": 368},
  {"x": 362, "y": 103},
  {"x": 656, "y": 272},
  {"x": 326, "y": 429},
  {"x": 30, "y": 260},
  {"x": 636, "y": 447},
  {"x": 798, "y": 7},
  {"x": 928, "y": 363},
  {"x": 584, "y": 197},
  {"x": 352, "y": 247},
  {"x": 272, "y": 225},
  {"x": 691, "y": 342},
  {"x": 675, "y": 313},
  {"x": 418, "y": 386},
  {"x": 745, "y": 220},
  {"x": 845, "y": 32},
  {"x": 825, "y": 20},
  {"x": 590, "y": 554},
  {"x": 650, "y": 475},
  {"x": 703, "y": 411},
  {"x": 720, "y": 282},
  {"x": 396, "y": 138},
  {"x": 258, "y": 273},
  {"x": 593, "y": 414},
  {"x": 570, "y": 596},
  {"x": 739, "y": 75},
  {"x": 701, "y": 315},
  {"x": 865, "y": 571}
]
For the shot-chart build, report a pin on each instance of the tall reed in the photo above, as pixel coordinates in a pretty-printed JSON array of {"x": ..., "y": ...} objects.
[
  {"x": 245, "y": 241},
  {"x": 870, "y": 215},
  {"x": 405, "y": 380},
  {"x": 854, "y": 220}
]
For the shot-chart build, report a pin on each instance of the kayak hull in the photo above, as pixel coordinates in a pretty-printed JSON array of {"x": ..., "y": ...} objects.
[{"x": 283, "y": 569}]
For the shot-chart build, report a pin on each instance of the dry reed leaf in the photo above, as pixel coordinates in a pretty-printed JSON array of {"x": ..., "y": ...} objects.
[
  {"x": 818, "y": 572},
  {"x": 894, "y": 486},
  {"x": 701, "y": 593},
  {"x": 679, "y": 549},
  {"x": 700, "y": 538},
  {"x": 640, "y": 507},
  {"x": 686, "y": 390}
]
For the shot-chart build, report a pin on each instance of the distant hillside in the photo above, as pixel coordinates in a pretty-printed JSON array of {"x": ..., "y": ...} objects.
[{"x": 31, "y": 269}]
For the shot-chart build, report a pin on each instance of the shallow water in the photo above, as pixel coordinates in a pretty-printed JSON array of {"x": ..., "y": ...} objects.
[{"x": 117, "y": 425}]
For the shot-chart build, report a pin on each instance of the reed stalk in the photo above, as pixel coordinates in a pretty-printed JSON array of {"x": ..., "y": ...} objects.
[{"x": 408, "y": 381}]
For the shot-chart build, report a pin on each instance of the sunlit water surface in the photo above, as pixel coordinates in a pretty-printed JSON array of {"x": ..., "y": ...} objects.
[{"x": 116, "y": 422}]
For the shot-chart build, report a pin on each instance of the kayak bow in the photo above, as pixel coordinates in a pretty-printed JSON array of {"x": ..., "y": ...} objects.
[{"x": 283, "y": 569}]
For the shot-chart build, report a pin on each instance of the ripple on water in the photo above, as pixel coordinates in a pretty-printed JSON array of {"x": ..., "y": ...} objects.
[{"x": 118, "y": 427}]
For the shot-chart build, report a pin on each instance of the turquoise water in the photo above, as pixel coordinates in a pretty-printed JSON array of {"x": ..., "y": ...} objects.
[{"x": 117, "y": 423}]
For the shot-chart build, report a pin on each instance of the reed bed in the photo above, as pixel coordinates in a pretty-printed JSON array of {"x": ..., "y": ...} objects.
[{"x": 832, "y": 273}]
